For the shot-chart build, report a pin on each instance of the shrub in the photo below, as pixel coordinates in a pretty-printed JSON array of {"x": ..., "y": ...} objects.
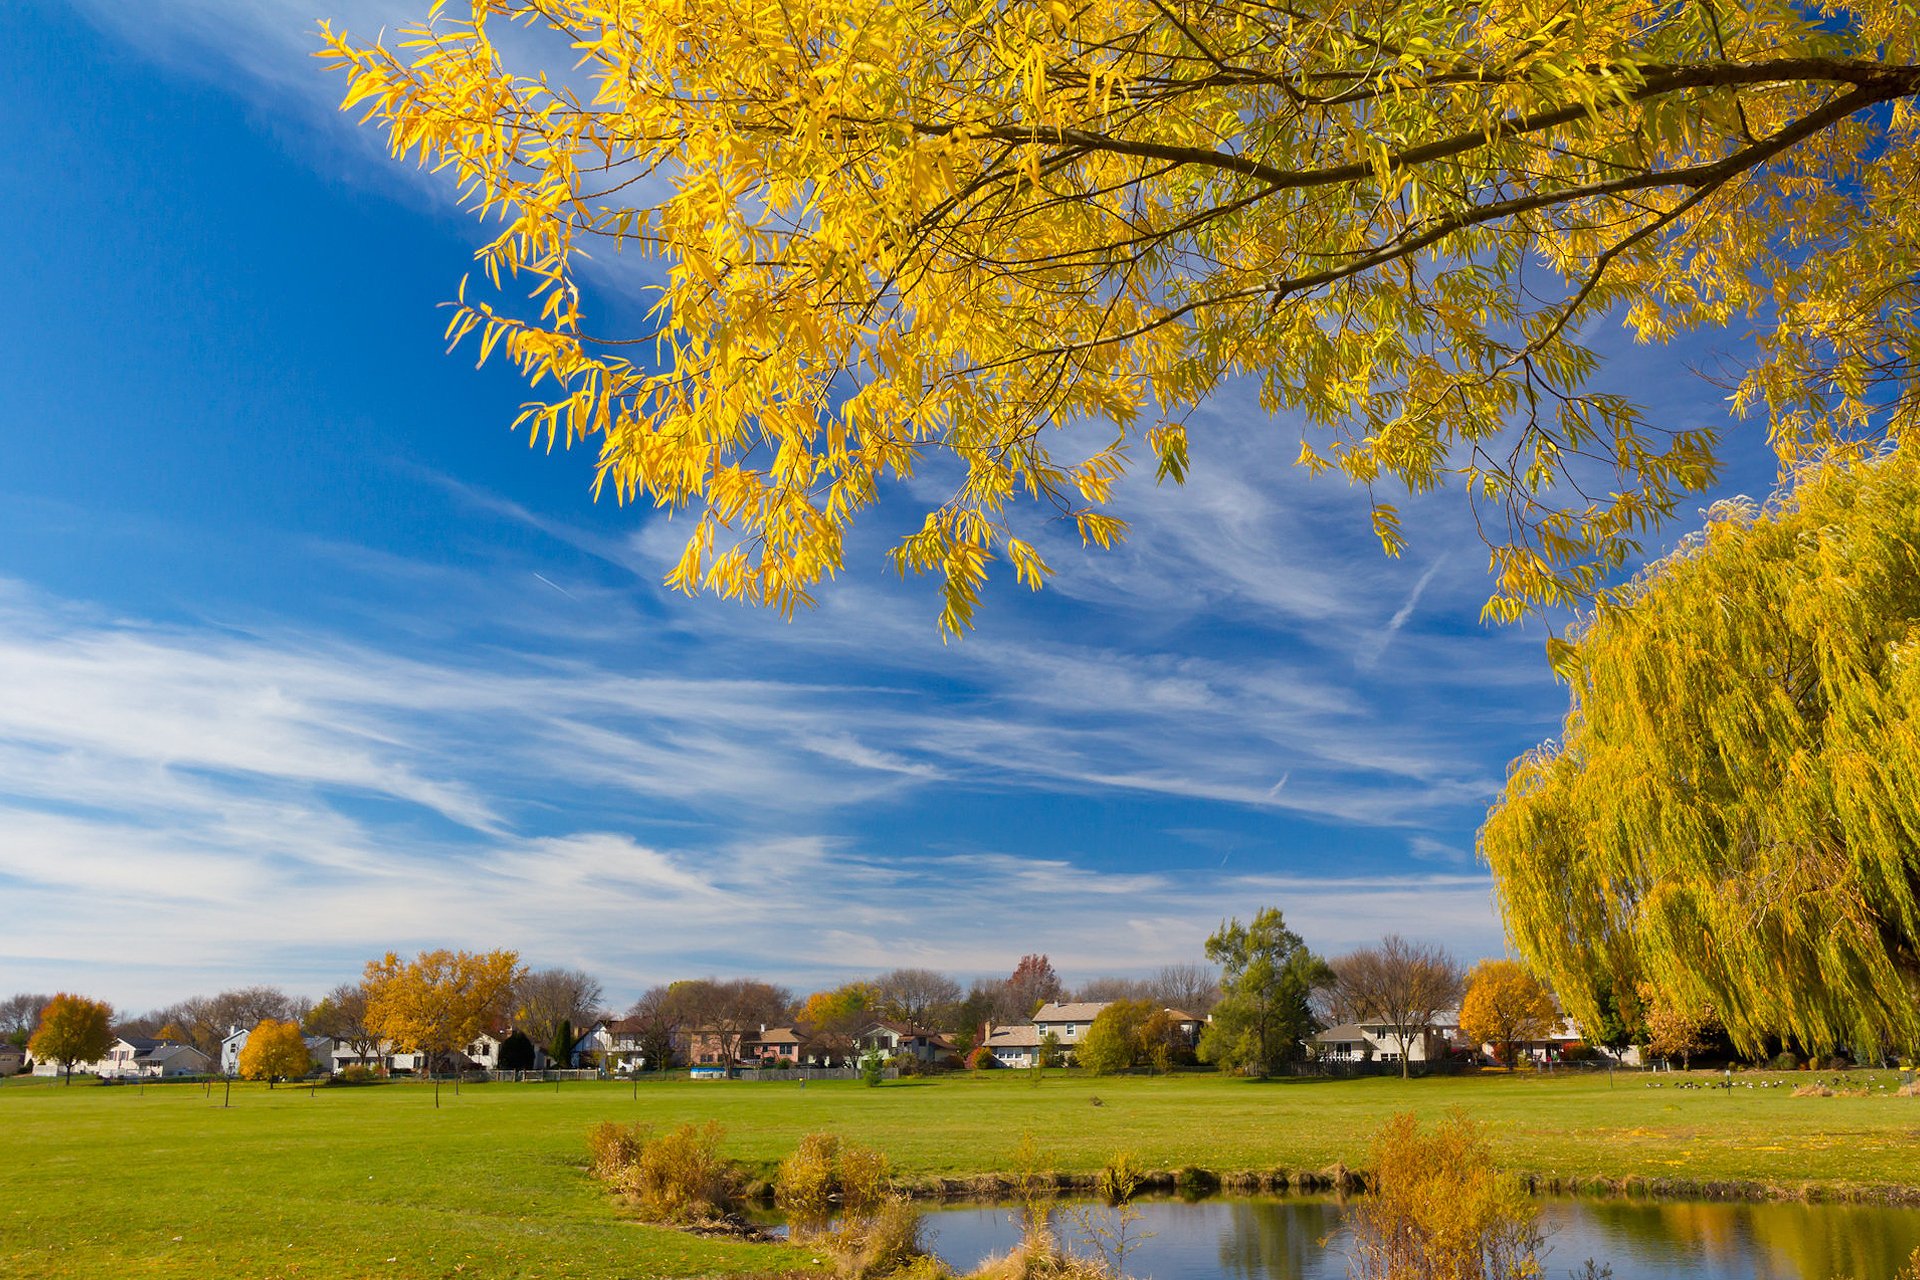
[
  {"x": 884, "y": 1242},
  {"x": 1119, "y": 1178},
  {"x": 866, "y": 1180},
  {"x": 678, "y": 1177},
  {"x": 873, "y": 1068},
  {"x": 612, "y": 1148},
  {"x": 1439, "y": 1209},
  {"x": 355, "y": 1074},
  {"x": 803, "y": 1186},
  {"x": 1785, "y": 1061},
  {"x": 982, "y": 1059}
]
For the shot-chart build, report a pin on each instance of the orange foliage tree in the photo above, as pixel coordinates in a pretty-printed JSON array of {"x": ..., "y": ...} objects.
[
  {"x": 274, "y": 1051},
  {"x": 72, "y": 1029}
]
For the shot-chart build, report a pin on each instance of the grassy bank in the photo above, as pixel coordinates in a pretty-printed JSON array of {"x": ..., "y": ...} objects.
[{"x": 377, "y": 1182}]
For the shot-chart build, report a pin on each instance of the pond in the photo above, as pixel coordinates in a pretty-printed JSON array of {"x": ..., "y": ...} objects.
[{"x": 1299, "y": 1238}]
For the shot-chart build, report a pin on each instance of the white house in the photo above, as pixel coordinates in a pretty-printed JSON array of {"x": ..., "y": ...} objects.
[{"x": 1376, "y": 1042}]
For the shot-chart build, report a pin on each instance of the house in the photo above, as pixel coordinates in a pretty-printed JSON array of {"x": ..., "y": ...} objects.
[
  {"x": 625, "y": 1050},
  {"x": 140, "y": 1057},
  {"x": 343, "y": 1055},
  {"x": 890, "y": 1039},
  {"x": 1377, "y": 1042},
  {"x": 1068, "y": 1022},
  {"x": 320, "y": 1050},
  {"x": 591, "y": 1049},
  {"x": 13, "y": 1059},
  {"x": 778, "y": 1047},
  {"x": 1016, "y": 1046}
]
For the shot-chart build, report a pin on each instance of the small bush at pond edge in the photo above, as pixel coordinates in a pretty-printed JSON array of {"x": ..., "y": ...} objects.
[{"x": 679, "y": 1177}]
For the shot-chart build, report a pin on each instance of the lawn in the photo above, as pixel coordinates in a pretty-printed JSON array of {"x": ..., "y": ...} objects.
[{"x": 164, "y": 1181}]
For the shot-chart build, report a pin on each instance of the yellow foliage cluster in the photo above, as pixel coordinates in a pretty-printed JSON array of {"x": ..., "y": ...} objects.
[
  {"x": 441, "y": 1000},
  {"x": 1732, "y": 813},
  {"x": 890, "y": 238},
  {"x": 1440, "y": 1209},
  {"x": 1505, "y": 1005},
  {"x": 274, "y": 1051}
]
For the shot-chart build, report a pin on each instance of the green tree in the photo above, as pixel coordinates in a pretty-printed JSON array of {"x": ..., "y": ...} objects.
[
  {"x": 1266, "y": 972},
  {"x": 1112, "y": 1043},
  {"x": 560, "y": 1046},
  {"x": 1732, "y": 811},
  {"x": 517, "y": 1052},
  {"x": 274, "y": 1051},
  {"x": 72, "y": 1029},
  {"x": 894, "y": 229}
]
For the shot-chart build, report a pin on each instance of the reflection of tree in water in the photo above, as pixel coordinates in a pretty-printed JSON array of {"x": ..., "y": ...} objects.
[
  {"x": 1837, "y": 1239},
  {"x": 1787, "y": 1241},
  {"x": 1277, "y": 1240}
]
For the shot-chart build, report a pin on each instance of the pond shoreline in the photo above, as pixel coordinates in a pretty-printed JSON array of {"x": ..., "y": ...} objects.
[{"x": 1340, "y": 1180}]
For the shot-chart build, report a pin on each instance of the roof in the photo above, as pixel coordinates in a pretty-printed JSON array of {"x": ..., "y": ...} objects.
[
  {"x": 164, "y": 1052},
  {"x": 1025, "y": 1036},
  {"x": 1181, "y": 1015},
  {"x": 1076, "y": 1011},
  {"x": 1345, "y": 1033},
  {"x": 779, "y": 1035}
]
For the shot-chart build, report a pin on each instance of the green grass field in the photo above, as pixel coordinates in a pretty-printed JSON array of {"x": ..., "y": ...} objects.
[{"x": 376, "y": 1182}]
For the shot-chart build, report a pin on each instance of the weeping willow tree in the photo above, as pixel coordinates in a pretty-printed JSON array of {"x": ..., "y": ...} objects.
[
  {"x": 1733, "y": 812},
  {"x": 1007, "y": 247}
]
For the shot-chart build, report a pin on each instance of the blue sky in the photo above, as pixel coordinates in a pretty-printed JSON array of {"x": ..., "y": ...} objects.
[{"x": 304, "y": 656}]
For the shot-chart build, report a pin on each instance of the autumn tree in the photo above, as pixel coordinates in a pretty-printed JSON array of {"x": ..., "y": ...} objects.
[
  {"x": 71, "y": 1029},
  {"x": 890, "y": 233},
  {"x": 274, "y": 1051},
  {"x": 1400, "y": 985},
  {"x": 19, "y": 1015},
  {"x": 1262, "y": 1018},
  {"x": 439, "y": 1001},
  {"x": 1504, "y": 1005},
  {"x": 1677, "y": 1028},
  {"x": 1112, "y": 1043},
  {"x": 1032, "y": 983},
  {"x": 1732, "y": 811},
  {"x": 1161, "y": 1040},
  {"x": 919, "y": 997}
]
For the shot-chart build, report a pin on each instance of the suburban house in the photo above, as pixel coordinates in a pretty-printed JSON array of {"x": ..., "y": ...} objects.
[
  {"x": 1017, "y": 1046},
  {"x": 623, "y": 1045},
  {"x": 591, "y": 1049},
  {"x": 140, "y": 1057},
  {"x": 891, "y": 1038},
  {"x": 780, "y": 1047},
  {"x": 13, "y": 1058},
  {"x": 344, "y": 1055},
  {"x": 1376, "y": 1042},
  {"x": 1068, "y": 1023},
  {"x": 320, "y": 1049}
]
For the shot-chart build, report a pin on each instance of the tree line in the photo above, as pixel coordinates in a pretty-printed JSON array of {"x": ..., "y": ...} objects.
[{"x": 1261, "y": 996}]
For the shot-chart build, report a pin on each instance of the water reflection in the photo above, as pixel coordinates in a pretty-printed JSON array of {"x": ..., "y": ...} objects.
[{"x": 1300, "y": 1239}]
